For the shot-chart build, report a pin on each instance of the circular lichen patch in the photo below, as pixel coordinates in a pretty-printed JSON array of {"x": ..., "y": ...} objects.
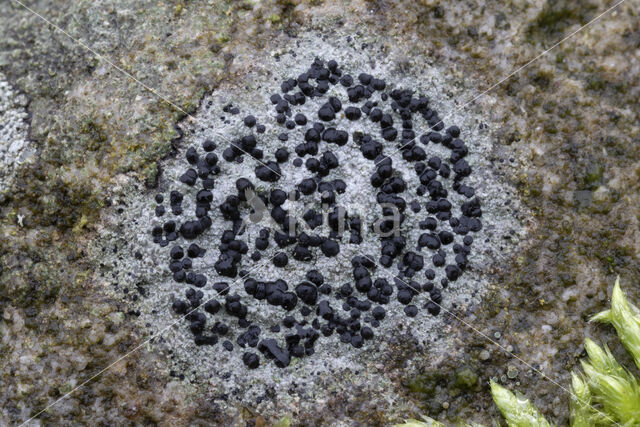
[{"x": 183, "y": 255}]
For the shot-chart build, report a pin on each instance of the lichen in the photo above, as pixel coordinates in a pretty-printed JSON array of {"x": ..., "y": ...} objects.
[{"x": 472, "y": 48}]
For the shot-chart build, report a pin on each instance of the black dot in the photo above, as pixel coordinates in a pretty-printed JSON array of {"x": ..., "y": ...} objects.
[{"x": 249, "y": 121}]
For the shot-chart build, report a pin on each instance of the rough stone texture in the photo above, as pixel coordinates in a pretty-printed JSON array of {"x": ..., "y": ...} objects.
[{"x": 569, "y": 121}]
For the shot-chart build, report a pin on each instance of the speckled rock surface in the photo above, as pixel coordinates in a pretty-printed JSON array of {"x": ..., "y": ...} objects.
[{"x": 568, "y": 121}]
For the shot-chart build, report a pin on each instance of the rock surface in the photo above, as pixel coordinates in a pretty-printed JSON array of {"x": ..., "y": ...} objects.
[{"x": 562, "y": 132}]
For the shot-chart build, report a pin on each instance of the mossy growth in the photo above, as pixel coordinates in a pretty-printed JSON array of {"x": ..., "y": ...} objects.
[
  {"x": 556, "y": 16},
  {"x": 541, "y": 78},
  {"x": 94, "y": 135},
  {"x": 431, "y": 387},
  {"x": 274, "y": 18},
  {"x": 429, "y": 422},
  {"x": 466, "y": 379},
  {"x": 606, "y": 393},
  {"x": 593, "y": 175},
  {"x": 425, "y": 385}
]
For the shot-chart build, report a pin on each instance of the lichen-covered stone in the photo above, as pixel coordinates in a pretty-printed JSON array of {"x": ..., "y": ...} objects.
[{"x": 571, "y": 109}]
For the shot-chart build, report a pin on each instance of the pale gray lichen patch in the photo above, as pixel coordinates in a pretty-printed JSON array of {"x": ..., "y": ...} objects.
[
  {"x": 14, "y": 132},
  {"x": 335, "y": 368}
]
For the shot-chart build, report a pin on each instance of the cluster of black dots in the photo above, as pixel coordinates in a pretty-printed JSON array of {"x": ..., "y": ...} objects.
[{"x": 307, "y": 309}]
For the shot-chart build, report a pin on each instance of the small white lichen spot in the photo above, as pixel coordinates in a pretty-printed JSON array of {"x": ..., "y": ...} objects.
[{"x": 14, "y": 128}]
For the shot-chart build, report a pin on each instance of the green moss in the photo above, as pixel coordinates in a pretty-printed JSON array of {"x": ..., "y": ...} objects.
[
  {"x": 593, "y": 174},
  {"x": 466, "y": 379},
  {"x": 93, "y": 134},
  {"x": 541, "y": 78},
  {"x": 606, "y": 393},
  {"x": 425, "y": 385},
  {"x": 557, "y": 16},
  {"x": 595, "y": 82},
  {"x": 151, "y": 175},
  {"x": 274, "y": 18}
]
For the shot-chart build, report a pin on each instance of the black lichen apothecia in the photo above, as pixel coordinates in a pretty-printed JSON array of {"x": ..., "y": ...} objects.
[{"x": 313, "y": 309}]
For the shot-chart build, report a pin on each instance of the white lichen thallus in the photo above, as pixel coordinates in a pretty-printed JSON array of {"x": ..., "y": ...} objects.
[{"x": 384, "y": 226}]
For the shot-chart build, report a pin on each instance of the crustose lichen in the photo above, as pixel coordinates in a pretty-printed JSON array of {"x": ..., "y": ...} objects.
[{"x": 423, "y": 216}]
